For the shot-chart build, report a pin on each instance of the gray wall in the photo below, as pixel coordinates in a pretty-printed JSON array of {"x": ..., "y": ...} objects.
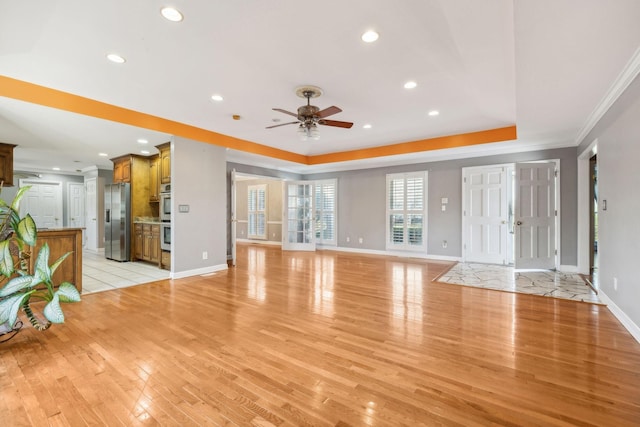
[
  {"x": 618, "y": 138},
  {"x": 198, "y": 179},
  {"x": 361, "y": 202}
]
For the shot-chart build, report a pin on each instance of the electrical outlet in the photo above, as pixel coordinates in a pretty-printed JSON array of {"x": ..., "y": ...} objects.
[
  {"x": 444, "y": 243},
  {"x": 205, "y": 255},
  {"x": 360, "y": 240},
  {"x": 615, "y": 283},
  {"x": 348, "y": 239}
]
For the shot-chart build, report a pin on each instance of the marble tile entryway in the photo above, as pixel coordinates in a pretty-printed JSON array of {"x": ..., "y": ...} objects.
[{"x": 503, "y": 278}]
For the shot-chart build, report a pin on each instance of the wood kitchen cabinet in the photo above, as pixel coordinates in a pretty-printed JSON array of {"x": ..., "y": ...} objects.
[
  {"x": 147, "y": 242},
  {"x": 138, "y": 240},
  {"x": 6, "y": 164},
  {"x": 165, "y": 260},
  {"x": 154, "y": 176},
  {"x": 134, "y": 169},
  {"x": 165, "y": 162},
  {"x": 121, "y": 169}
]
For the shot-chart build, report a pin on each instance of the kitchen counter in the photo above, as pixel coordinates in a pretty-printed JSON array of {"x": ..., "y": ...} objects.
[
  {"x": 146, "y": 220},
  {"x": 60, "y": 241}
]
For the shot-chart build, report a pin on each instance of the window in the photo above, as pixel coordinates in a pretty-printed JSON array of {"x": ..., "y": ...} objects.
[
  {"x": 257, "y": 211},
  {"x": 325, "y": 212},
  {"x": 407, "y": 211}
]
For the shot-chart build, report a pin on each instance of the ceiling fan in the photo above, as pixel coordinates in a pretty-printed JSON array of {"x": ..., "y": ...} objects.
[{"x": 309, "y": 116}]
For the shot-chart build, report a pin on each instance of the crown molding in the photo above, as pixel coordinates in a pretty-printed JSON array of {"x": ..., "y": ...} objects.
[{"x": 620, "y": 84}]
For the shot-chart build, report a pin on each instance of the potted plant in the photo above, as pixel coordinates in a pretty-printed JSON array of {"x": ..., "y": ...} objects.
[{"x": 19, "y": 284}]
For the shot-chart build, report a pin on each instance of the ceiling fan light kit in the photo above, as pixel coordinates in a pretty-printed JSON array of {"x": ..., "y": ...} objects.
[{"x": 309, "y": 116}]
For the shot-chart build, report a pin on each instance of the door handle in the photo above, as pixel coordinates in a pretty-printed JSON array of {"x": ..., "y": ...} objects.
[{"x": 519, "y": 223}]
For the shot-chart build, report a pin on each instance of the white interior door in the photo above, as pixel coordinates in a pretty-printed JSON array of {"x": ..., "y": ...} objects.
[
  {"x": 535, "y": 216},
  {"x": 43, "y": 202},
  {"x": 91, "y": 218},
  {"x": 485, "y": 215},
  {"x": 298, "y": 224},
  {"x": 75, "y": 205},
  {"x": 234, "y": 219}
]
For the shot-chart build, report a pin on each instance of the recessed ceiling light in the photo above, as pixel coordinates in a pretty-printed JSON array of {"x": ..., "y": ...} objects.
[
  {"x": 370, "y": 36},
  {"x": 144, "y": 151},
  {"x": 171, "y": 14},
  {"x": 114, "y": 57},
  {"x": 103, "y": 154},
  {"x": 217, "y": 98},
  {"x": 367, "y": 126},
  {"x": 434, "y": 113},
  {"x": 56, "y": 168},
  {"x": 142, "y": 141},
  {"x": 410, "y": 85}
]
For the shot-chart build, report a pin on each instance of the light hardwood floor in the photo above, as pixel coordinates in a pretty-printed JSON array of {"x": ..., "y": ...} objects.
[{"x": 327, "y": 339}]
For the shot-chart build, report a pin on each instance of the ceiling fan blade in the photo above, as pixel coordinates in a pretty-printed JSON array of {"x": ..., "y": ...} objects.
[
  {"x": 328, "y": 112},
  {"x": 286, "y": 112},
  {"x": 281, "y": 124},
  {"x": 335, "y": 123}
]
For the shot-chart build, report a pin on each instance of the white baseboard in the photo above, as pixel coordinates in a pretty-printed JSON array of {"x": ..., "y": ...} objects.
[
  {"x": 568, "y": 269},
  {"x": 197, "y": 271},
  {"x": 260, "y": 242},
  {"x": 390, "y": 253},
  {"x": 94, "y": 250},
  {"x": 629, "y": 325}
]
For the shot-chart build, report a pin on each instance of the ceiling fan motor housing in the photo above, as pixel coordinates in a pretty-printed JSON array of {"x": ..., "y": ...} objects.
[{"x": 307, "y": 112}]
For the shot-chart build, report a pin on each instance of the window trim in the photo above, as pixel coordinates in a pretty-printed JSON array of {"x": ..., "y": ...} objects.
[
  {"x": 334, "y": 182},
  {"x": 405, "y": 246}
]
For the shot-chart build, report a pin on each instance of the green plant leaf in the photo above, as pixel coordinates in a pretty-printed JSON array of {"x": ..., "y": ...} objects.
[
  {"x": 53, "y": 311},
  {"x": 36, "y": 278},
  {"x": 42, "y": 263},
  {"x": 6, "y": 260},
  {"x": 15, "y": 205},
  {"x": 9, "y": 307},
  {"x": 14, "y": 285},
  {"x": 55, "y": 265},
  {"x": 26, "y": 230},
  {"x": 68, "y": 292}
]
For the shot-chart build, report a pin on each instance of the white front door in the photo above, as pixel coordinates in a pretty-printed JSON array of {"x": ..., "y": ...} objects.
[
  {"x": 535, "y": 216},
  {"x": 43, "y": 202},
  {"x": 485, "y": 215},
  {"x": 75, "y": 205},
  {"x": 298, "y": 224}
]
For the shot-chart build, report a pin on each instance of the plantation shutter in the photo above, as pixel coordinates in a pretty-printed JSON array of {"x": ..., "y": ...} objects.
[
  {"x": 257, "y": 211},
  {"x": 325, "y": 212},
  {"x": 406, "y": 211}
]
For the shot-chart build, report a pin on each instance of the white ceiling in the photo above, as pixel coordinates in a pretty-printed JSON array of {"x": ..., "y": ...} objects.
[{"x": 543, "y": 65}]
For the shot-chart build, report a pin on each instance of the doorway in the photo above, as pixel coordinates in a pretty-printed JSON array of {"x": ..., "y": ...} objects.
[
  {"x": 510, "y": 214},
  {"x": 43, "y": 202},
  {"x": 593, "y": 217}
]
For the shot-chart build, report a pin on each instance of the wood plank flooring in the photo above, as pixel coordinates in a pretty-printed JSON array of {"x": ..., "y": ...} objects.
[{"x": 322, "y": 339}]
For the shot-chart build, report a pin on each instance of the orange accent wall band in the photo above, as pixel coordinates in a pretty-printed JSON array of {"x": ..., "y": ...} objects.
[
  {"x": 48, "y": 97},
  {"x": 453, "y": 141},
  {"x": 41, "y": 95}
]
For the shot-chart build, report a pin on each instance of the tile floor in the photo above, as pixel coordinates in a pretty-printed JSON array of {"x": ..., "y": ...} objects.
[
  {"x": 101, "y": 274},
  {"x": 546, "y": 283}
]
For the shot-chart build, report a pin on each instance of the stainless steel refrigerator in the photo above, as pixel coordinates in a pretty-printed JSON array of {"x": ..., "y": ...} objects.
[{"x": 117, "y": 221}]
